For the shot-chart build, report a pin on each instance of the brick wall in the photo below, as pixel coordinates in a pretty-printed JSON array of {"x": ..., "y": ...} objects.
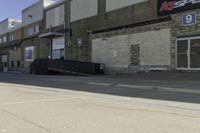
[
  {"x": 177, "y": 30},
  {"x": 129, "y": 15}
]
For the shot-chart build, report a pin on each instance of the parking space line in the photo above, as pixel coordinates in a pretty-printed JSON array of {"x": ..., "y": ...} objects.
[
  {"x": 180, "y": 90},
  {"x": 135, "y": 86}
]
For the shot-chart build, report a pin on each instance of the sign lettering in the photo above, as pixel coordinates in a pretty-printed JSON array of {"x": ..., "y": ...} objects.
[{"x": 167, "y": 7}]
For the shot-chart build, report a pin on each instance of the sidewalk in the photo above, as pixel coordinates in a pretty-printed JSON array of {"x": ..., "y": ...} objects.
[{"x": 31, "y": 109}]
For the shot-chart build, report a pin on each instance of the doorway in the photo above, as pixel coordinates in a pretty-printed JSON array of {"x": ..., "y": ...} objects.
[
  {"x": 58, "y": 48},
  {"x": 188, "y": 53},
  {"x": 4, "y": 63}
]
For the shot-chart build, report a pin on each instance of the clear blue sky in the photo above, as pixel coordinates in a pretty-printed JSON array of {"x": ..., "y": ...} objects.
[{"x": 12, "y": 8}]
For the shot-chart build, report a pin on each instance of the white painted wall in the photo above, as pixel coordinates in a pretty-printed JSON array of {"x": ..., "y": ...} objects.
[
  {"x": 35, "y": 10},
  {"x": 58, "y": 43},
  {"x": 9, "y": 25},
  {"x": 154, "y": 47},
  {"x": 55, "y": 17},
  {"x": 116, "y": 4},
  {"x": 111, "y": 51},
  {"x": 4, "y": 27},
  {"x": 82, "y": 9},
  {"x": 115, "y": 51}
]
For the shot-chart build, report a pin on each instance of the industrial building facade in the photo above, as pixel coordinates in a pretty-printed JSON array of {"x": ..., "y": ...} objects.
[{"x": 127, "y": 36}]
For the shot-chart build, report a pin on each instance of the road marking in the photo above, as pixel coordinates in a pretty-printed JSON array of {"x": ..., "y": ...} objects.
[
  {"x": 100, "y": 84},
  {"x": 159, "y": 88},
  {"x": 180, "y": 90},
  {"x": 135, "y": 86}
]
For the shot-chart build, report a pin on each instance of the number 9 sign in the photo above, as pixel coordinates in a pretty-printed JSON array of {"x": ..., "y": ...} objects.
[{"x": 189, "y": 19}]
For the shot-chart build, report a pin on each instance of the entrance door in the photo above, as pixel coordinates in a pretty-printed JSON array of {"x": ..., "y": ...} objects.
[
  {"x": 188, "y": 53},
  {"x": 58, "y": 46},
  {"x": 195, "y": 53},
  {"x": 5, "y": 63},
  {"x": 182, "y": 54}
]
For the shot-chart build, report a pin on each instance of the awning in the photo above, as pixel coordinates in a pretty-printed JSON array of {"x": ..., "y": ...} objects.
[{"x": 51, "y": 34}]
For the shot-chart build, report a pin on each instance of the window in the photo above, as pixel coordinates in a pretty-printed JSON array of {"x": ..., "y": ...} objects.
[
  {"x": 33, "y": 30},
  {"x": 0, "y": 40},
  {"x": 11, "y": 37},
  {"x": 58, "y": 47},
  {"x": 30, "y": 31},
  {"x": 188, "y": 53},
  {"x": 29, "y": 53},
  {"x": 18, "y": 63},
  {"x": 4, "y": 39},
  {"x": 37, "y": 29}
]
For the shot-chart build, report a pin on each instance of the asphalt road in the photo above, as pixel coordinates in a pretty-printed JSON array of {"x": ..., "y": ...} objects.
[
  {"x": 35, "y": 109},
  {"x": 156, "y": 88}
]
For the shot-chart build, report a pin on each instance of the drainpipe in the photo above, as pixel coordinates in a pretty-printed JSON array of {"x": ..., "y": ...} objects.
[{"x": 69, "y": 26}]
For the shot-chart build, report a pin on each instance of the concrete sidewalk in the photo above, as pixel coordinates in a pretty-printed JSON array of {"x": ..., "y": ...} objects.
[{"x": 30, "y": 109}]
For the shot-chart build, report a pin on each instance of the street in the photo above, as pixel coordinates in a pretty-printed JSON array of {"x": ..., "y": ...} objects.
[{"x": 60, "y": 104}]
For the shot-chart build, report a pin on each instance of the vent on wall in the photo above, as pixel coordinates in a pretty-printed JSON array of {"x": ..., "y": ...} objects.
[{"x": 30, "y": 16}]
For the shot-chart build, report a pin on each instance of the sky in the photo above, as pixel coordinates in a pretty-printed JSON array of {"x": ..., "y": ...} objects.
[{"x": 13, "y": 8}]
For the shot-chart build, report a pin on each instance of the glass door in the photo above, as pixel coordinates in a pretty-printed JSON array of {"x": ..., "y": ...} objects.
[
  {"x": 188, "y": 53},
  {"x": 182, "y": 54},
  {"x": 195, "y": 53}
]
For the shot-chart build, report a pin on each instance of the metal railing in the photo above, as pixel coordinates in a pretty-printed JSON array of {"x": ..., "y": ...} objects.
[{"x": 46, "y": 66}]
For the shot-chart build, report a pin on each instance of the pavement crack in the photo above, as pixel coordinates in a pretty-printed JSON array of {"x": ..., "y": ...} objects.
[{"x": 27, "y": 121}]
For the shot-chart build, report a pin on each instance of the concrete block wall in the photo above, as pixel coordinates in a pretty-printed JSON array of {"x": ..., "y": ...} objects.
[
  {"x": 154, "y": 47},
  {"x": 178, "y": 30},
  {"x": 140, "y": 12},
  {"x": 114, "y": 48},
  {"x": 14, "y": 55},
  {"x": 41, "y": 49},
  {"x": 112, "y": 51}
]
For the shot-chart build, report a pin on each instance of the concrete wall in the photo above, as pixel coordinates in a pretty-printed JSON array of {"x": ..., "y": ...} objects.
[
  {"x": 154, "y": 47},
  {"x": 14, "y": 55},
  {"x": 55, "y": 17},
  {"x": 112, "y": 51},
  {"x": 82, "y": 9},
  {"x": 17, "y": 34},
  {"x": 114, "y": 48},
  {"x": 33, "y": 13},
  {"x": 178, "y": 30},
  {"x": 4, "y": 26},
  {"x": 32, "y": 25},
  {"x": 41, "y": 49},
  {"x": 137, "y": 13},
  {"x": 116, "y": 4}
]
